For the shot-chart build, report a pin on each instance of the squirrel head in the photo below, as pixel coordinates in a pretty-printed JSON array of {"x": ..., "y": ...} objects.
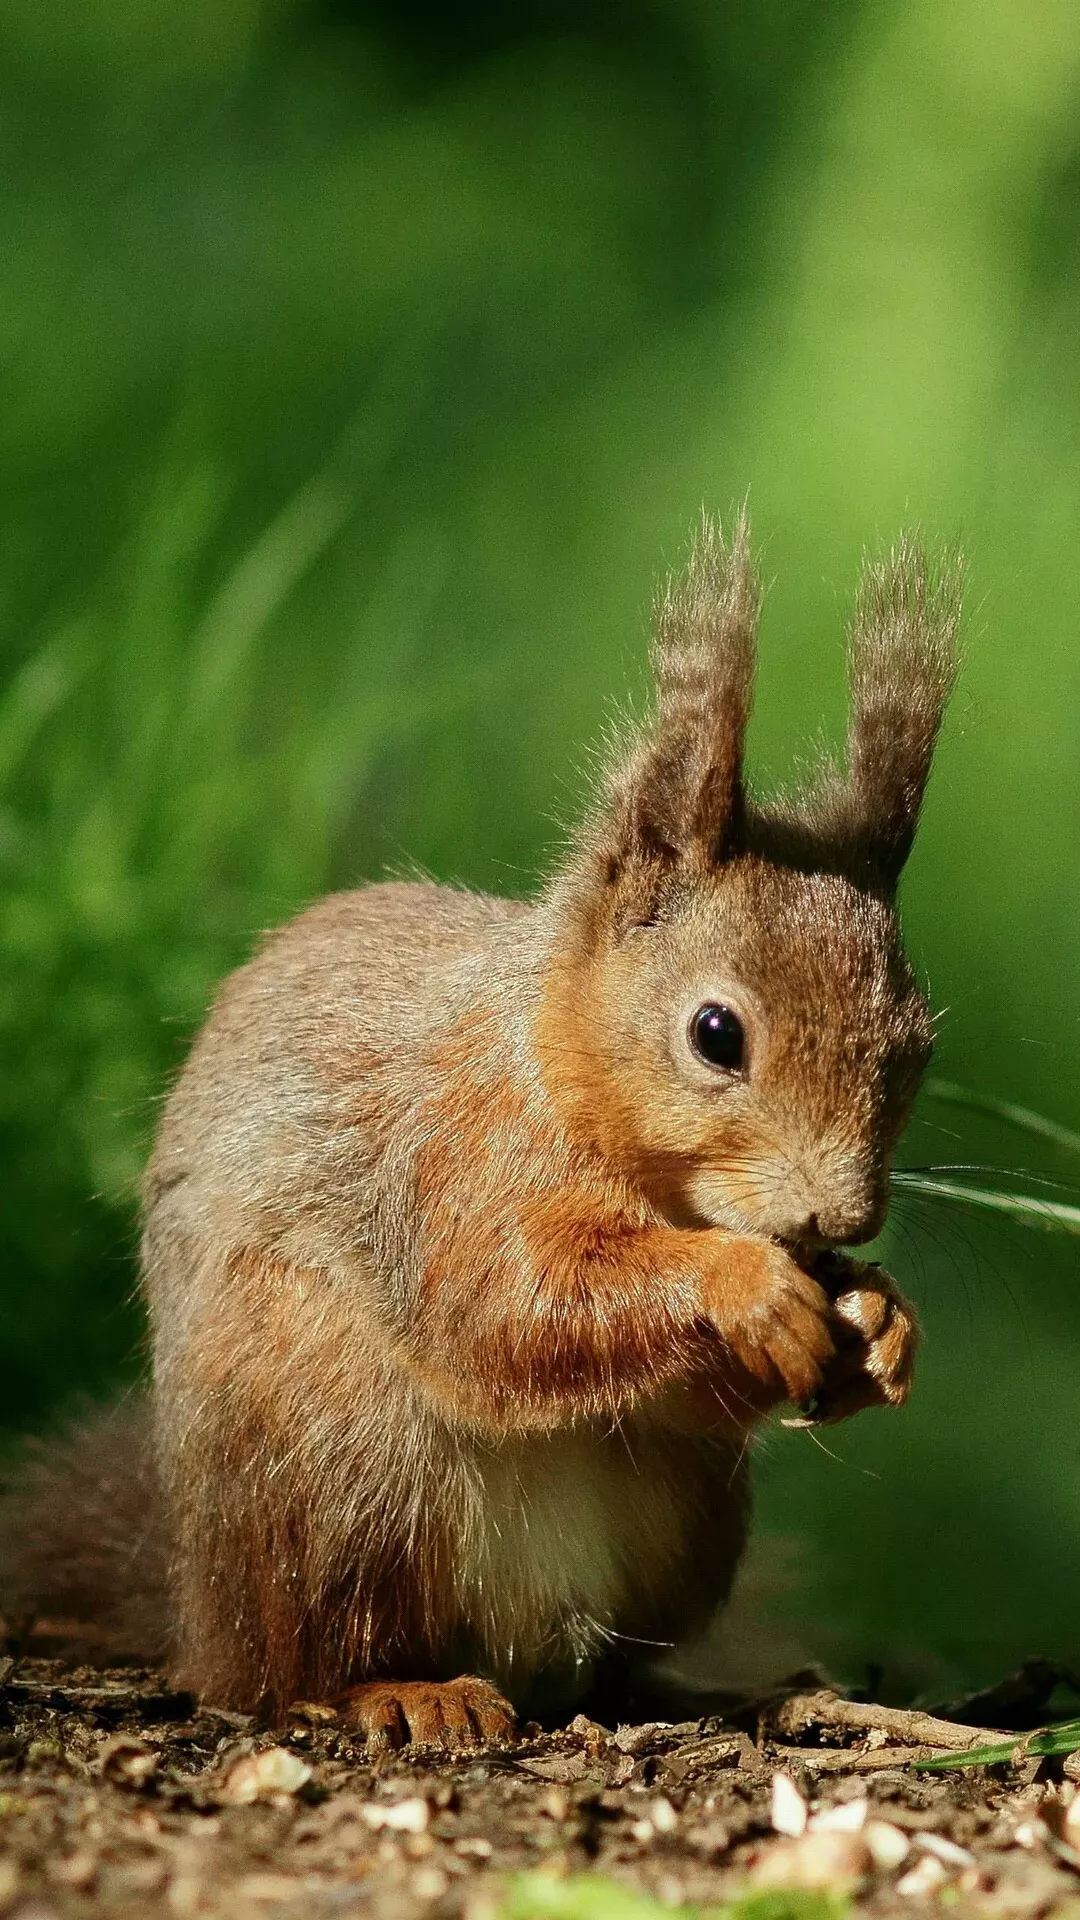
[{"x": 731, "y": 1018}]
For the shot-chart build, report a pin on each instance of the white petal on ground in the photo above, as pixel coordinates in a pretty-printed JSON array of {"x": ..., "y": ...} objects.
[{"x": 788, "y": 1811}]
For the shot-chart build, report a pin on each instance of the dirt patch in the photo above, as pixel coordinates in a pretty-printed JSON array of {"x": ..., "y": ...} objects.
[{"x": 119, "y": 1798}]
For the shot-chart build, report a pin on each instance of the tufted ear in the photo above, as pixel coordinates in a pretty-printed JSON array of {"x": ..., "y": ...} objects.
[
  {"x": 674, "y": 793},
  {"x": 902, "y": 663}
]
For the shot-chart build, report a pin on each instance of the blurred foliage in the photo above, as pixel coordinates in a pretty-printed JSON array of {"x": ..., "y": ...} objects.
[
  {"x": 363, "y": 364},
  {"x": 592, "y": 1896}
]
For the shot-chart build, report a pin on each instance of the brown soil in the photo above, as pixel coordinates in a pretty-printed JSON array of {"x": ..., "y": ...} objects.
[{"x": 119, "y": 1798}]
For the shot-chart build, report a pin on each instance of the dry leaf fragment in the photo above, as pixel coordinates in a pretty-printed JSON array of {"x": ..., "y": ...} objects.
[
  {"x": 699, "y": 1756},
  {"x": 563, "y": 1768},
  {"x": 788, "y": 1810},
  {"x": 636, "y": 1740},
  {"x": 257, "y": 1775},
  {"x": 594, "y": 1737}
]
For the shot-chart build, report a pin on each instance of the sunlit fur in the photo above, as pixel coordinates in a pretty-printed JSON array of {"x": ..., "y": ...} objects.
[{"x": 467, "y": 1279}]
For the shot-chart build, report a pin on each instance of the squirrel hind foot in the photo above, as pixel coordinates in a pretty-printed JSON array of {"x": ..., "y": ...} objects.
[{"x": 449, "y": 1714}]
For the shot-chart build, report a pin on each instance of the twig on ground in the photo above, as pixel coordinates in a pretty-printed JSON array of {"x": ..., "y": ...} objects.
[
  {"x": 850, "y": 1760},
  {"x": 830, "y": 1710}
]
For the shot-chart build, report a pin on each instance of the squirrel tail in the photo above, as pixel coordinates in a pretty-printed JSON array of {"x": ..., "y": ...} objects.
[{"x": 83, "y": 1548}]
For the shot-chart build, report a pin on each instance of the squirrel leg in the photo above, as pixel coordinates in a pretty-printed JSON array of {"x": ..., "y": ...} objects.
[
  {"x": 432, "y": 1713},
  {"x": 604, "y": 1311}
]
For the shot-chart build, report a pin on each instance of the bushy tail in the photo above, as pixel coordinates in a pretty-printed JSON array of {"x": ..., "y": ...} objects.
[{"x": 82, "y": 1534}]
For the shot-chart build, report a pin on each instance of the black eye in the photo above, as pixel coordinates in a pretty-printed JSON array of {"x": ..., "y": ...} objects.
[{"x": 717, "y": 1035}]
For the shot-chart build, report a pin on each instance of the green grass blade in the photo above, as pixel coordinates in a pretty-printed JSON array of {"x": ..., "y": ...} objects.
[
  {"x": 1045, "y": 1742},
  {"x": 34, "y": 694},
  {"x": 1062, "y": 1739},
  {"x": 1025, "y": 1118},
  {"x": 975, "y": 1757},
  {"x": 260, "y": 582},
  {"x": 1053, "y": 1215}
]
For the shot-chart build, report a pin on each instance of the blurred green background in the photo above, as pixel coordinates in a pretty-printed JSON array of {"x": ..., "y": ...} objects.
[{"x": 363, "y": 365}]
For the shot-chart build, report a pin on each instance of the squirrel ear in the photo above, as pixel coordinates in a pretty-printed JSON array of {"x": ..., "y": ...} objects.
[
  {"x": 902, "y": 663},
  {"x": 675, "y": 794}
]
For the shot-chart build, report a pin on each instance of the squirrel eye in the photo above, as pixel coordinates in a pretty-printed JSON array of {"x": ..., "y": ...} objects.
[{"x": 716, "y": 1034}]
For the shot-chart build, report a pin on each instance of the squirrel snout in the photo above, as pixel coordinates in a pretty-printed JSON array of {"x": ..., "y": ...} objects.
[
  {"x": 847, "y": 1222},
  {"x": 850, "y": 1226},
  {"x": 830, "y": 1199}
]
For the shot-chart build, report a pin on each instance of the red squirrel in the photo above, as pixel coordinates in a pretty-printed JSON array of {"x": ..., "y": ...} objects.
[{"x": 479, "y": 1234}]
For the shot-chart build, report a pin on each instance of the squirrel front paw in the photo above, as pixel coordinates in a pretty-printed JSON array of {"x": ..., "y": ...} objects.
[
  {"x": 876, "y": 1338},
  {"x": 776, "y": 1321}
]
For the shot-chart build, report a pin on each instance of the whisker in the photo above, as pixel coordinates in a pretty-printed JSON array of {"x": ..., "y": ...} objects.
[
  {"x": 974, "y": 1166},
  {"x": 1053, "y": 1215},
  {"x": 941, "y": 1226}
]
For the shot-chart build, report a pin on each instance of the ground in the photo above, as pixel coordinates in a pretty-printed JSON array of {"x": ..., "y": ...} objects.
[{"x": 119, "y": 1798}]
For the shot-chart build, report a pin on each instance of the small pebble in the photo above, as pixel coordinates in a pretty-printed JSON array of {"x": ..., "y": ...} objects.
[
  {"x": 663, "y": 1815},
  {"x": 923, "y": 1879},
  {"x": 400, "y": 1816},
  {"x": 555, "y": 1804},
  {"x": 847, "y": 1816},
  {"x": 429, "y": 1883},
  {"x": 834, "y": 1860},
  {"x": 889, "y": 1848},
  {"x": 474, "y": 1848},
  {"x": 258, "y": 1775},
  {"x": 944, "y": 1850}
]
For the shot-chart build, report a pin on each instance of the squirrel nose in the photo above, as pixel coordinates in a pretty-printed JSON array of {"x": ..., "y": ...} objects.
[
  {"x": 838, "y": 1214},
  {"x": 848, "y": 1225}
]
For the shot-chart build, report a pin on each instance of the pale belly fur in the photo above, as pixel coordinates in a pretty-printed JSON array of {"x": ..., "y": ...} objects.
[{"x": 570, "y": 1541}]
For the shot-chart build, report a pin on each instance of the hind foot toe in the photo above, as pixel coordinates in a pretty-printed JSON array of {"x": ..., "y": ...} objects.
[{"x": 433, "y": 1713}]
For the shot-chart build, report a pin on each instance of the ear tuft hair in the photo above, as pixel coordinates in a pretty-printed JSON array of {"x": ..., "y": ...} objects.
[
  {"x": 672, "y": 802},
  {"x": 902, "y": 663},
  {"x": 674, "y": 794}
]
